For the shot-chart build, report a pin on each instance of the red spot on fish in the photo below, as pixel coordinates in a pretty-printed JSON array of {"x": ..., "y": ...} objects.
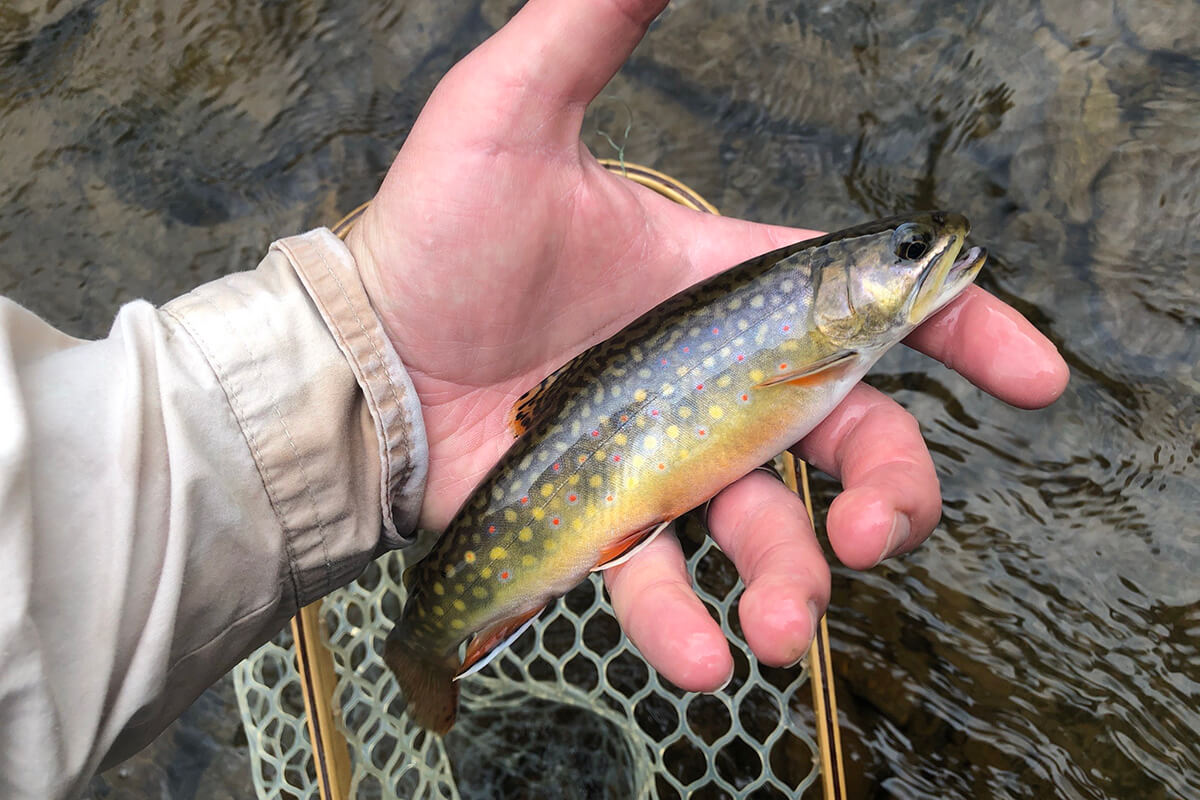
[
  {"x": 582, "y": 459},
  {"x": 745, "y": 398},
  {"x": 616, "y": 459},
  {"x": 702, "y": 432},
  {"x": 557, "y": 467},
  {"x": 662, "y": 361},
  {"x": 716, "y": 331},
  {"x": 783, "y": 366},
  {"x": 654, "y": 412},
  {"x": 662, "y": 466},
  {"x": 524, "y": 500},
  {"x": 571, "y": 498},
  {"x": 787, "y": 328},
  {"x": 624, "y": 418},
  {"x": 699, "y": 387},
  {"x": 609, "y": 498},
  {"x": 505, "y": 575},
  {"x": 554, "y": 522},
  {"x": 687, "y": 349},
  {"x": 595, "y": 434},
  {"x": 491, "y": 528},
  {"x": 741, "y": 357}
]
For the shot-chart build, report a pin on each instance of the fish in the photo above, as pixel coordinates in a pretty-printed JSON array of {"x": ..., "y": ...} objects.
[{"x": 654, "y": 421}]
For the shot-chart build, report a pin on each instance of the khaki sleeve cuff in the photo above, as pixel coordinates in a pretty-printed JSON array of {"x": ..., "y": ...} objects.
[{"x": 329, "y": 273}]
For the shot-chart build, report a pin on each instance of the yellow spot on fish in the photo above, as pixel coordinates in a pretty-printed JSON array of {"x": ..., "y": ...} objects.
[
  {"x": 421, "y": 613},
  {"x": 457, "y": 624},
  {"x": 528, "y": 561},
  {"x": 538, "y": 513},
  {"x": 600, "y": 455},
  {"x": 525, "y": 534},
  {"x": 449, "y": 571},
  {"x": 438, "y": 588},
  {"x": 724, "y": 381},
  {"x": 640, "y": 395},
  {"x": 630, "y": 482},
  {"x": 673, "y": 431},
  {"x": 460, "y": 605},
  {"x": 595, "y": 481},
  {"x": 620, "y": 438},
  {"x": 599, "y": 397},
  {"x": 666, "y": 390},
  {"x": 756, "y": 375},
  {"x": 735, "y": 304},
  {"x": 469, "y": 556},
  {"x": 789, "y": 345},
  {"x": 685, "y": 412},
  {"x": 547, "y": 490},
  {"x": 715, "y": 412},
  {"x": 576, "y": 525},
  {"x": 574, "y": 479},
  {"x": 510, "y": 515},
  {"x": 551, "y": 545},
  {"x": 756, "y": 301},
  {"x": 486, "y": 572},
  {"x": 498, "y": 553},
  {"x": 438, "y": 610},
  {"x": 682, "y": 454},
  {"x": 681, "y": 371},
  {"x": 643, "y": 373},
  {"x": 710, "y": 362},
  {"x": 637, "y": 460},
  {"x": 479, "y": 592},
  {"x": 650, "y": 443}
]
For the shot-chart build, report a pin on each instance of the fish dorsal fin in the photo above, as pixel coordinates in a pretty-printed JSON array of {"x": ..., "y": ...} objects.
[
  {"x": 627, "y": 547},
  {"x": 813, "y": 372},
  {"x": 533, "y": 405},
  {"x": 490, "y": 642}
]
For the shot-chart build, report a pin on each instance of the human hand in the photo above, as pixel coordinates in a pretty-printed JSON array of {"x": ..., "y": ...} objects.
[{"x": 497, "y": 248}]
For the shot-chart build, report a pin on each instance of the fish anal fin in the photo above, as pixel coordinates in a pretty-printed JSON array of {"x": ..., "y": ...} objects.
[
  {"x": 627, "y": 547},
  {"x": 491, "y": 641},
  {"x": 814, "y": 372}
]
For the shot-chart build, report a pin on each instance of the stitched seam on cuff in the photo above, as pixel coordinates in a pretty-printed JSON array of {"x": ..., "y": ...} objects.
[{"x": 322, "y": 528}]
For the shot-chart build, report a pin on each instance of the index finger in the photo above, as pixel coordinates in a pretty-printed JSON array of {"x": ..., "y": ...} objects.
[{"x": 993, "y": 346}]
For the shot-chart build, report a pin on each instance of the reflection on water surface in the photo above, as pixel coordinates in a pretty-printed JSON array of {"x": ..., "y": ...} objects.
[{"x": 1044, "y": 642}]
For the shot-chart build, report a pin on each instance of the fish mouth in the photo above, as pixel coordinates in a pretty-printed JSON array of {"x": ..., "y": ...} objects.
[{"x": 958, "y": 277}]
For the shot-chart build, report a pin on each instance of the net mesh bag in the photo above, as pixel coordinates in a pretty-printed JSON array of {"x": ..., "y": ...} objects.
[{"x": 569, "y": 710}]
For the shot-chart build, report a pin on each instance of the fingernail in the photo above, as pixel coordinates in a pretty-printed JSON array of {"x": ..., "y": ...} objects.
[
  {"x": 814, "y": 614},
  {"x": 728, "y": 680},
  {"x": 897, "y": 536}
]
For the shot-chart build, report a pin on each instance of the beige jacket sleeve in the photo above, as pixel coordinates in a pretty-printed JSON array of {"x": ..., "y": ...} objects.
[{"x": 170, "y": 495}]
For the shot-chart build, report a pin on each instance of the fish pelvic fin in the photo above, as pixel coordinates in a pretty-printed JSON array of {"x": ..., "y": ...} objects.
[
  {"x": 489, "y": 643},
  {"x": 814, "y": 372},
  {"x": 629, "y": 546},
  {"x": 427, "y": 682}
]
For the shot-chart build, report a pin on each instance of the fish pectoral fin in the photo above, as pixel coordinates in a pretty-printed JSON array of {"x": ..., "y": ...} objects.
[
  {"x": 490, "y": 642},
  {"x": 813, "y": 372},
  {"x": 627, "y": 547},
  {"x": 532, "y": 405}
]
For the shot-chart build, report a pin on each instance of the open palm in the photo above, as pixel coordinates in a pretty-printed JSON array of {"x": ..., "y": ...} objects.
[{"x": 498, "y": 248}]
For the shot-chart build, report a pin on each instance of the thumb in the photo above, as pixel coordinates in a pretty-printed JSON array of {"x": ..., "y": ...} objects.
[{"x": 567, "y": 50}]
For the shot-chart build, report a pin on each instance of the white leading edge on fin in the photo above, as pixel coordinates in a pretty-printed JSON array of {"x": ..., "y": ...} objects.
[
  {"x": 495, "y": 651},
  {"x": 633, "y": 551}
]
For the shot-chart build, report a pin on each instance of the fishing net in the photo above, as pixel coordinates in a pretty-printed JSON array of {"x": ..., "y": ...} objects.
[{"x": 569, "y": 710}]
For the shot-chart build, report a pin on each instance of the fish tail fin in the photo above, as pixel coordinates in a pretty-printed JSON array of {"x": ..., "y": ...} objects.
[{"x": 427, "y": 683}]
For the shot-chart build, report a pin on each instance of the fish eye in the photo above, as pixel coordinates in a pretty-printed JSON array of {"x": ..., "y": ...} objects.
[{"x": 911, "y": 241}]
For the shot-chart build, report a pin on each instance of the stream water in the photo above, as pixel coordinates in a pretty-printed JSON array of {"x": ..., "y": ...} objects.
[{"x": 1046, "y": 640}]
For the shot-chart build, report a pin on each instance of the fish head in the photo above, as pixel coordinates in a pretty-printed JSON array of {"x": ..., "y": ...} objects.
[{"x": 879, "y": 281}]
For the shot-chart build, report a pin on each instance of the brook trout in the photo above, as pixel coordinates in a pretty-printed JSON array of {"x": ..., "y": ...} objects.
[{"x": 656, "y": 420}]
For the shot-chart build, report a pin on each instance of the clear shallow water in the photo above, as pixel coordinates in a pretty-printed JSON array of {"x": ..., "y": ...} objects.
[{"x": 1046, "y": 641}]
